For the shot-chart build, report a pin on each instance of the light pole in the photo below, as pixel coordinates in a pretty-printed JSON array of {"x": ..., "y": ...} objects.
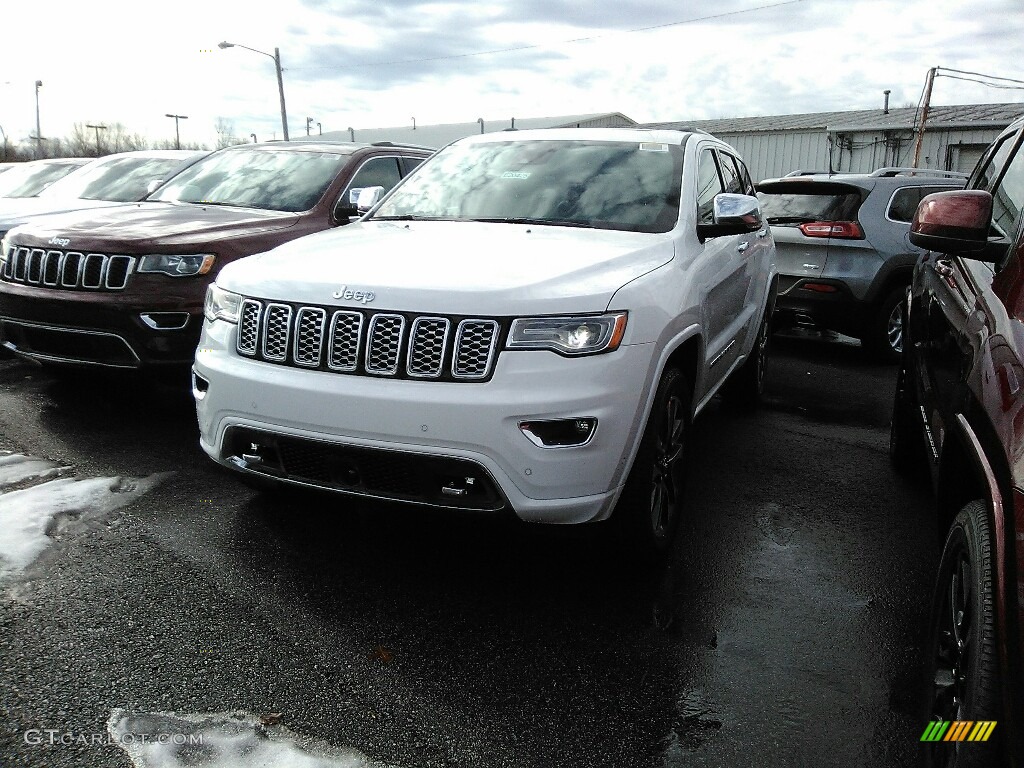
[
  {"x": 280, "y": 81},
  {"x": 309, "y": 124},
  {"x": 98, "y": 128},
  {"x": 177, "y": 135},
  {"x": 319, "y": 130},
  {"x": 39, "y": 135},
  {"x": 253, "y": 137}
]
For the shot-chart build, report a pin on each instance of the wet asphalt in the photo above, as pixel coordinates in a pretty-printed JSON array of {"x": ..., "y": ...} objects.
[{"x": 786, "y": 629}]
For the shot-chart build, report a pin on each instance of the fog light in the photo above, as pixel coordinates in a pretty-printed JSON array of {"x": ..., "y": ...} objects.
[{"x": 560, "y": 433}]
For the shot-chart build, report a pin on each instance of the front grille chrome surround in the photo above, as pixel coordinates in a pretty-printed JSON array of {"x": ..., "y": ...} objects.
[
  {"x": 70, "y": 270},
  {"x": 367, "y": 343}
]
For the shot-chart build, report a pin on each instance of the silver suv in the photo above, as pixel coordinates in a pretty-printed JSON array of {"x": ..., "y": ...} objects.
[
  {"x": 529, "y": 322},
  {"x": 844, "y": 253}
]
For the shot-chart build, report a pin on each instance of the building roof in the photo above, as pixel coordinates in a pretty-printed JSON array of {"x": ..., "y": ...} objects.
[
  {"x": 439, "y": 135},
  {"x": 900, "y": 118}
]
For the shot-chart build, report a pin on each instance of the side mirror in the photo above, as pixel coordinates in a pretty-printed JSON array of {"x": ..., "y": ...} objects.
[
  {"x": 732, "y": 215},
  {"x": 954, "y": 222},
  {"x": 367, "y": 198}
]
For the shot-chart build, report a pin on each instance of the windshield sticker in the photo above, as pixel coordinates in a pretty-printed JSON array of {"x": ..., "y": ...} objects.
[
  {"x": 651, "y": 147},
  {"x": 515, "y": 175}
]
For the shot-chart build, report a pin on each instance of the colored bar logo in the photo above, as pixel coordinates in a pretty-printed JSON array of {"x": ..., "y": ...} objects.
[{"x": 958, "y": 730}]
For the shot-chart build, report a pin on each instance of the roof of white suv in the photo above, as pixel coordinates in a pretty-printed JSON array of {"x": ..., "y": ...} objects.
[{"x": 588, "y": 134}]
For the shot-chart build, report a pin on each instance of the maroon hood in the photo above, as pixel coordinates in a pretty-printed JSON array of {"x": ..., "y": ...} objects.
[{"x": 142, "y": 226}]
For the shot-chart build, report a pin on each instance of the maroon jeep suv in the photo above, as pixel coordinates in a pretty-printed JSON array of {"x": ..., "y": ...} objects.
[
  {"x": 959, "y": 410},
  {"x": 123, "y": 287}
]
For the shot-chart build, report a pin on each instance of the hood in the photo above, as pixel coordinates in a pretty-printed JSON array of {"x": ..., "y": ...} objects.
[
  {"x": 137, "y": 227},
  {"x": 17, "y": 211},
  {"x": 455, "y": 268}
]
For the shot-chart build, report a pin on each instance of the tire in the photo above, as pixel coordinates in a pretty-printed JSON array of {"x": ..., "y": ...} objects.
[
  {"x": 884, "y": 336},
  {"x": 744, "y": 388},
  {"x": 906, "y": 438},
  {"x": 652, "y": 501},
  {"x": 963, "y": 665}
]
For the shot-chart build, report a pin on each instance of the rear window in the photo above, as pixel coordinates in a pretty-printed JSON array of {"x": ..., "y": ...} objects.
[{"x": 798, "y": 203}]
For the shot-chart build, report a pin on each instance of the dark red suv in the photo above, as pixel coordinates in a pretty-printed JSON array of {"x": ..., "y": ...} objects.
[
  {"x": 960, "y": 410},
  {"x": 123, "y": 287}
]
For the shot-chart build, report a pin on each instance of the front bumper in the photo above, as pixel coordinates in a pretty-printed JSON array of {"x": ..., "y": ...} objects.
[
  {"x": 104, "y": 329},
  {"x": 433, "y": 429}
]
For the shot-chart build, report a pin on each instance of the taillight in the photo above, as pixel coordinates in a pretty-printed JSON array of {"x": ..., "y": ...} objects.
[{"x": 849, "y": 230}]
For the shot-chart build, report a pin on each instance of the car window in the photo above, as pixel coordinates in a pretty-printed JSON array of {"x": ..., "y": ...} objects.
[
  {"x": 411, "y": 162},
  {"x": 709, "y": 184},
  {"x": 991, "y": 165},
  {"x": 797, "y": 202},
  {"x": 122, "y": 180},
  {"x": 29, "y": 179},
  {"x": 261, "y": 177},
  {"x": 624, "y": 185},
  {"x": 1008, "y": 197},
  {"x": 904, "y": 202},
  {"x": 733, "y": 181},
  {"x": 376, "y": 172}
]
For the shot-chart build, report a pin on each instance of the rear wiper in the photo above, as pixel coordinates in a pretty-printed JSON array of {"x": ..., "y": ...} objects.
[{"x": 528, "y": 220}]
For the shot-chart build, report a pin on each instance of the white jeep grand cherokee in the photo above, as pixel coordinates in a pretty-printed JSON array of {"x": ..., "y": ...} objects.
[{"x": 529, "y": 322}]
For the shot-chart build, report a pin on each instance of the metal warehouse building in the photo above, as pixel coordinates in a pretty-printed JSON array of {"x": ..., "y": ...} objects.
[{"x": 860, "y": 140}]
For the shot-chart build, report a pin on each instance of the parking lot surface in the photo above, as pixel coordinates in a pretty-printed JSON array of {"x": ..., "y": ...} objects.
[{"x": 172, "y": 600}]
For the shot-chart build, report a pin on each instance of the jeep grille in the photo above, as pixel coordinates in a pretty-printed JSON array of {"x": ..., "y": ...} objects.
[
  {"x": 66, "y": 269},
  {"x": 386, "y": 344}
]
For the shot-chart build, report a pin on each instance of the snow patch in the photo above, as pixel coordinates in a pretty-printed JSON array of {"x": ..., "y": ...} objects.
[
  {"x": 29, "y": 518},
  {"x": 223, "y": 740},
  {"x": 16, "y": 468}
]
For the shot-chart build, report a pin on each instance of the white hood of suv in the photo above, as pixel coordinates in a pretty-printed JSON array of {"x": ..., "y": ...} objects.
[{"x": 455, "y": 268}]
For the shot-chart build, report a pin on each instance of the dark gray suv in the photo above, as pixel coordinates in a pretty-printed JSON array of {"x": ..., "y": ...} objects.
[{"x": 844, "y": 253}]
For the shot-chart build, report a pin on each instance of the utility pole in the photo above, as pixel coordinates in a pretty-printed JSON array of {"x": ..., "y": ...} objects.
[
  {"x": 280, "y": 91},
  {"x": 39, "y": 134},
  {"x": 177, "y": 134},
  {"x": 924, "y": 114},
  {"x": 309, "y": 124},
  {"x": 98, "y": 128}
]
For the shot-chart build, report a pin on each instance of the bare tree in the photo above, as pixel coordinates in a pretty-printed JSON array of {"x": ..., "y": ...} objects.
[{"x": 225, "y": 133}]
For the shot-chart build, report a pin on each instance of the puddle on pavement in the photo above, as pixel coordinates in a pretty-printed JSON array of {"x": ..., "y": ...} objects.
[
  {"x": 223, "y": 740},
  {"x": 41, "y": 508}
]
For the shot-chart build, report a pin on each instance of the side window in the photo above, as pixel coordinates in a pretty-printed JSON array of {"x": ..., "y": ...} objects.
[
  {"x": 709, "y": 184},
  {"x": 408, "y": 163},
  {"x": 748, "y": 185},
  {"x": 733, "y": 180},
  {"x": 1008, "y": 198},
  {"x": 904, "y": 201},
  {"x": 375, "y": 172},
  {"x": 990, "y": 166}
]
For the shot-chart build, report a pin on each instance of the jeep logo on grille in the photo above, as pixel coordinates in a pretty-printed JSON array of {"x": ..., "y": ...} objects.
[
  {"x": 364, "y": 297},
  {"x": 61, "y": 241}
]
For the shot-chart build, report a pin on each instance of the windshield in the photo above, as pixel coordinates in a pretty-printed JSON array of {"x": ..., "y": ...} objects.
[
  {"x": 627, "y": 186},
  {"x": 122, "y": 180},
  {"x": 29, "y": 179},
  {"x": 271, "y": 179}
]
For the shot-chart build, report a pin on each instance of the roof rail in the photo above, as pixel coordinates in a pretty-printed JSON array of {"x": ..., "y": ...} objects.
[
  {"x": 401, "y": 144},
  {"x": 900, "y": 171},
  {"x": 806, "y": 173}
]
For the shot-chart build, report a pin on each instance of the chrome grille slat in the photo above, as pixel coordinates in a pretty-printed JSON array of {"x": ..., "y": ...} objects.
[
  {"x": 474, "y": 349},
  {"x": 427, "y": 342},
  {"x": 248, "y": 327},
  {"x": 67, "y": 269},
  {"x": 309, "y": 336},
  {"x": 345, "y": 341},
  {"x": 383, "y": 344},
  {"x": 277, "y": 324}
]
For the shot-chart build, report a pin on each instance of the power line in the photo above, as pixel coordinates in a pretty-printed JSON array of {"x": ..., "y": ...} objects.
[
  {"x": 979, "y": 74},
  {"x": 984, "y": 82},
  {"x": 532, "y": 46}
]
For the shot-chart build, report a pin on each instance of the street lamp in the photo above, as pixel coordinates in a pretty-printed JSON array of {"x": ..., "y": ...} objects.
[
  {"x": 98, "y": 128},
  {"x": 39, "y": 135},
  {"x": 309, "y": 124},
  {"x": 280, "y": 81},
  {"x": 319, "y": 130},
  {"x": 177, "y": 135},
  {"x": 253, "y": 137}
]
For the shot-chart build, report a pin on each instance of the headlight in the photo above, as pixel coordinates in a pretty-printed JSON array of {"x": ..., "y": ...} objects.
[
  {"x": 582, "y": 335},
  {"x": 221, "y": 304},
  {"x": 177, "y": 266}
]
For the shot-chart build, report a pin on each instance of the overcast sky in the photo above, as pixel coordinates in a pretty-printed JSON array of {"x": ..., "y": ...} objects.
[{"x": 381, "y": 63}]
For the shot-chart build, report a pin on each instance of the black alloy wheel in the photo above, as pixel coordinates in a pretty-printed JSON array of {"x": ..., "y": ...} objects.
[
  {"x": 652, "y": 501},
  {"x": 963, "y": 681},
  {"x": 744, "y": 388}
]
